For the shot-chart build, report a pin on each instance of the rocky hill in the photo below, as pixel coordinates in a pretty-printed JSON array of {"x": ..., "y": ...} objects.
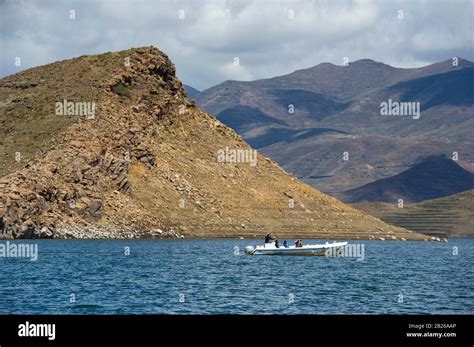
[{"x": 144, "y": 161}]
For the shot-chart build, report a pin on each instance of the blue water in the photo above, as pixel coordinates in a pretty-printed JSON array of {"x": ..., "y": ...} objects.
[{"x": 208, "y": 278}]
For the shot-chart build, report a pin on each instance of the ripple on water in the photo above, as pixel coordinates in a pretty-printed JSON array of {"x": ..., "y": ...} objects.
[{"x": 206, "y": 277}]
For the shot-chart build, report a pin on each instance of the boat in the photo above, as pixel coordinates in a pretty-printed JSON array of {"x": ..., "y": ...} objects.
[{"x": 332, "y": 249}]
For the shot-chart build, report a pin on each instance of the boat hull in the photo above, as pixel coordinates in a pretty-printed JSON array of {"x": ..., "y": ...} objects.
[{"x": 308, "y": 250}]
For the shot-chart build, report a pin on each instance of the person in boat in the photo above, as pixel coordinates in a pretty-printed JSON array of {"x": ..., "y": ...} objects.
[
  {"x": 277, "y": 245},
  {"x": 269, "y": 238},
  {"x": 285, "y": 244},
  {"x": 298, "y": 243}
]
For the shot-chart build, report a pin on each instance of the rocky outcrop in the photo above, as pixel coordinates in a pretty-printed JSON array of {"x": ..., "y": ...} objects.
[
  {"x": 146, "y": 166},
  {"x": 67, "y": 184}
]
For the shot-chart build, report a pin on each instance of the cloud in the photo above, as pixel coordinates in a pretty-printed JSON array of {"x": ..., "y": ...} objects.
[{"x": 270, "y": 38}]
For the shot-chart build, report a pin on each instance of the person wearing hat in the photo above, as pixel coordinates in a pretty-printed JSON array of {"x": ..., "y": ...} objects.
[{"x": 269, "y": 238}]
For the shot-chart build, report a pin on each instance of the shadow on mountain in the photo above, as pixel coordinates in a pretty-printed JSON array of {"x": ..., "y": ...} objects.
[
  {"x": 275, "y": 135},
  {"x": 243, "y": 118},
  {"x": 453, "y": 88},
  {"x": 318, "y": 106},
  {"x": 433, "y": 177}
]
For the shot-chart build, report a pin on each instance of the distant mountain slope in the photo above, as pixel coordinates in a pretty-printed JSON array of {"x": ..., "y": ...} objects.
[
  {"x": 448, "y": 216},
  {"x": 192, "y": 93},
  {"x": 243, "y": 118},
  {"x": 285, "y": 136},
  {"x": 319, "y": 160},
  {"x": 432, "y": 178},
  {"x": 346, "y": 100}
]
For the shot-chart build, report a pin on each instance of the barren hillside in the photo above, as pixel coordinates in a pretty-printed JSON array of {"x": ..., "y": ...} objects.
[{"x": 145, "y": 164}]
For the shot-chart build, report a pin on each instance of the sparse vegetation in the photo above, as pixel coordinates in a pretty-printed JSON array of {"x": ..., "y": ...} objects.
[
  {"x": 172, "y": 156},
  {"x": 122, "y": 90}
]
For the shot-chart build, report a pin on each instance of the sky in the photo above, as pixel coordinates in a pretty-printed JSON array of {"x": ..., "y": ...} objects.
[{"x": 203, "y": 38}]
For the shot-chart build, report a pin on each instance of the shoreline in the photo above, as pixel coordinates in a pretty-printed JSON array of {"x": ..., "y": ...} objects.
[
  {"x": 240, "y": 238},
  {"x": 109, "y": 232}
]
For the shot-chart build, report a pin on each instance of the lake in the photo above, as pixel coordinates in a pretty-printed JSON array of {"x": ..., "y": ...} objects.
[{"x": 216, "y": 277}]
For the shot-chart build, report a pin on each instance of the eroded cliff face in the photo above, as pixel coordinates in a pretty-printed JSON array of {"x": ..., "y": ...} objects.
[{"x": 146, "y": 163}]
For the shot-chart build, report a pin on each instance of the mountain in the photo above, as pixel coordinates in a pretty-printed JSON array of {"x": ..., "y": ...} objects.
[
  {"x": 447, "y": 216},
  {"x": 95, "y": 148},
  {"x": 326, "y": 89},
  {"x": 338, "y": 108},
  {"x": 431, "y": 178},
  {"x": 191, "y": 92}
]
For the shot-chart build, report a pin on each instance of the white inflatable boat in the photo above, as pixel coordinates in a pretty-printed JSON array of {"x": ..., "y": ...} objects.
[{"x": 321, "y": 249}]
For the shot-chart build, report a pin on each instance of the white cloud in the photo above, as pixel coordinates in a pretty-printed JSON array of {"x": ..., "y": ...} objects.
[{"x": 261, "y": 33}]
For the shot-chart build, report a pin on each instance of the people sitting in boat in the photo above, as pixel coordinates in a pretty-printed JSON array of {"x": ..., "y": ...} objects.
[
  {"x": 298, "y": 243},
  {"x": 277, "y": 245},
  {"x": 285, "y": 244},
  {"x": 269, "y": 238}
]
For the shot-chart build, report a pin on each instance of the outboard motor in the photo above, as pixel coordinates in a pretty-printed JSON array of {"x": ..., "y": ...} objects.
[{"x": 249, "y": 249}]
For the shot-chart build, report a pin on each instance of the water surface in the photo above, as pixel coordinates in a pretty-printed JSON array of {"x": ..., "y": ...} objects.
[{"x": 207, "y": 277}]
